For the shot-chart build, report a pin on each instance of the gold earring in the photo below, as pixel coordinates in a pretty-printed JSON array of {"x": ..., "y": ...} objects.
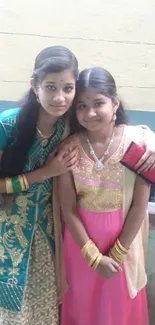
[
  {"x": 114, "y": 117},
  {"x": 37, "y": 99}
]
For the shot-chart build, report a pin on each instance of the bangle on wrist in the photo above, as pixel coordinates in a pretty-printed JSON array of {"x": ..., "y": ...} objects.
[
  {"x": 118, "y": 253},
  {"x": 91, "y": 254},
  {"x": 16, "y": 184}
]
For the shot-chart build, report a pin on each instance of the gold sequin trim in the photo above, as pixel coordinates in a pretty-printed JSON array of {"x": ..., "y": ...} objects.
[{"x": 97, "y": 198}]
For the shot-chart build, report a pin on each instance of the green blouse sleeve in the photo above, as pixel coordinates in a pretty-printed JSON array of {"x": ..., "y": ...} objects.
[{"x": 3, "y": 136}]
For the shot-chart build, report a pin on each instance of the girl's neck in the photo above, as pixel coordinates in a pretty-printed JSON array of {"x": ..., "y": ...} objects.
[
  {"x": 46, "y": 121},
  {"x": 101, "y": 135}
]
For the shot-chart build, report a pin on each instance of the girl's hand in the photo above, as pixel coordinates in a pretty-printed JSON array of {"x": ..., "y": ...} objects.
[
  {"x": 107, "y": 267},
  {"x": 148, "y": 159},
  {"x": 64, "y": 161}
]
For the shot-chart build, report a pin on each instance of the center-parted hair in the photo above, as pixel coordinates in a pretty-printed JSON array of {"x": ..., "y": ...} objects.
[{"x": 100, "y": 79}]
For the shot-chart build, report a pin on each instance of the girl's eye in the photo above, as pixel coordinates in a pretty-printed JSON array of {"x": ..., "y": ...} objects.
[
  {"x": 81, "y": 106},
  {"x": 51, "y": 88},
  {"x": 99, "y": 104},
  {"x": 68, "y": 89}
]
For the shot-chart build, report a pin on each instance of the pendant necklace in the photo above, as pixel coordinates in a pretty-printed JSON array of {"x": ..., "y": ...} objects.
[{"x": 98, "y": 163}]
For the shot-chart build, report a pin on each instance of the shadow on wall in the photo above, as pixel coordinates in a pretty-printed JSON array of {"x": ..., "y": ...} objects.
[
  {"x": 142, "y": 117},
  {"x": 6, "y": 105}
]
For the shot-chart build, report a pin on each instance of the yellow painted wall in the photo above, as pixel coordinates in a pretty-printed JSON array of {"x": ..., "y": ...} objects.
[{"x": 119, "y": 35}]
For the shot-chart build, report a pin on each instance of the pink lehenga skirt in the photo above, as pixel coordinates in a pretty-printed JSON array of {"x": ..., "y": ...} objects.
[{"x": 90, "y": 299}]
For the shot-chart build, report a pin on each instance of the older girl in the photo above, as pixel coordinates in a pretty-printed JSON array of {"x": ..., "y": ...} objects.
[{"x": 28, "y": 235}]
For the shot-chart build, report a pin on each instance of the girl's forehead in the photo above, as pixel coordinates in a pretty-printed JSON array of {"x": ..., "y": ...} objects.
[
  {"x": 91, "y": 93},
  {"x": 65, "y": 76}
]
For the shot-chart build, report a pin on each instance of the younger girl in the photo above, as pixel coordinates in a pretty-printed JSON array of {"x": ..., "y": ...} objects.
[{"x": 104, "y": 206}]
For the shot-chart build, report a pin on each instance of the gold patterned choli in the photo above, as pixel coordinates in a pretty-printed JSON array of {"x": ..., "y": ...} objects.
[{"x": 99, "y": 191}]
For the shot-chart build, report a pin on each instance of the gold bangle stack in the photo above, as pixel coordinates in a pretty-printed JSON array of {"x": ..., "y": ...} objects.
[
  {"x": 123, "y": 249},
  {"x": 16, "y": 184},
  {"x": 21, "y": 181},
  {"x": 8, "y": 184},
  {"x": 118, "y": 253},
  {"x": 97, "y": 261},
  {"x": 91, "y": 254},
  {"x": 26, "y": 184}
]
